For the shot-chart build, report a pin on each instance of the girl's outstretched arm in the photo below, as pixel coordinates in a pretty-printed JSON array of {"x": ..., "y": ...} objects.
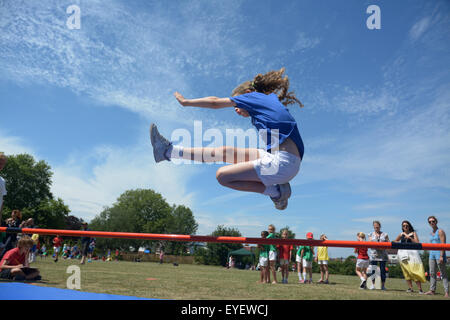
[{"x": 206, "y": 102}]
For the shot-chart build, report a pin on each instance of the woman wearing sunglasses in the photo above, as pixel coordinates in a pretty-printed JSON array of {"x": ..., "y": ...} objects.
[
  {"x": 410, "y": 261},
  {"x": 437, "y": 258}
]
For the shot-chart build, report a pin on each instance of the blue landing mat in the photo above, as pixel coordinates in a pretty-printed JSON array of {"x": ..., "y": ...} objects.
[{"x": 24, "y": 291}]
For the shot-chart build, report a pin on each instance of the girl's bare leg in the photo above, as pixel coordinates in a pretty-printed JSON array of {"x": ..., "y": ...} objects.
[
  {"x": 419, "y": 285},
  {"x": 241, "y": 176},
  {"x": 220, "y": 154},
  {"x": 274, "y": 272}
]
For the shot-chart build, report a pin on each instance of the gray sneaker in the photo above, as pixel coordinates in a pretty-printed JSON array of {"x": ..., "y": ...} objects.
[
  {"x": 159, "y": 143},
  {"x": 282, "y": 201}
]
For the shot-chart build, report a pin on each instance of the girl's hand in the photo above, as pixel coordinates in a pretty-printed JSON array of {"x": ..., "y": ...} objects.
[{"x": 180, "y": 98}]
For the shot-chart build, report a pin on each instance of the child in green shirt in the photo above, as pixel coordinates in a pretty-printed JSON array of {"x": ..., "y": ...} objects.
[
  {"x": 272, "y": 253},
  {"x": 264, "y": 260}
]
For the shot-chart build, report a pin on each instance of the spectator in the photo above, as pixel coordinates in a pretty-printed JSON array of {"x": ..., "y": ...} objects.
[
  {"x": 410, "y": 260},
  {"x": 272, "y": 253},
  {"x": 15, "y": 265},
  {"x": 43, "y": 251},
  {"x": 437, "y": 258},
  {"x": 362, "y": 262},
  {"x": 264, "y": 260},
  {"x": 91, "y": 250},
  {"x": 307, "y": 256},
  {"x": 57, "y": 241},
  {"x": 65, "y": 251},
  {"x": 11, "y": 239},
  {"x": 35, "y": 248},
  {"x": 322, "y": 259},
  {"x": 29, "y": 223},
  {"x": 85, "y": 241},
  {"x": 299, "y": 261},
  {"x": 378, "y": 256},
  {"x": 3, "y": 192},
  {"x": 285, "y": 254}
]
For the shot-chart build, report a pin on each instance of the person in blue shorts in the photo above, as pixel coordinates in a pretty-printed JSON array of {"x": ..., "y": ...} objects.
[{"x": 266, "y": 171}]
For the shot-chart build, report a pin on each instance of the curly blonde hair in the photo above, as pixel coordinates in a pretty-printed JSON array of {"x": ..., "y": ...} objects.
[{"x": 271, "y": 82}]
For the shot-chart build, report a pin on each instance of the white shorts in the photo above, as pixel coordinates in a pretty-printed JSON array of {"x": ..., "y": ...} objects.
[
  {"x": 307, "y": 264},
  {"x": 361, "y": 263},
  {"x": 272, "y": 255},
  {"x": 297, "y": 258},
  {"x": 277, "y": 168},
  {"x": 56, "y": 249},
  {"x": 263, "y": 261},
  {"x": 284, "y": 261},
  {"x": 323, "y": 262}
]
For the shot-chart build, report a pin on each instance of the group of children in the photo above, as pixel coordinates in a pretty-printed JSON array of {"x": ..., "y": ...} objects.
[
  {"x": 304, "y": 257},
  {"x": 69, "y": 252}
]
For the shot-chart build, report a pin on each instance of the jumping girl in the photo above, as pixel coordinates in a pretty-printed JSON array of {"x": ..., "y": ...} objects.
[{"x": 264, "y": 100}]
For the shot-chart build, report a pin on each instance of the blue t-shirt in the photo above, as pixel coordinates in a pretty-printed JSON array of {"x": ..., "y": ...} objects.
[
  {"x": 268, "y": 113},
  {"x": 436, "y": 254}
]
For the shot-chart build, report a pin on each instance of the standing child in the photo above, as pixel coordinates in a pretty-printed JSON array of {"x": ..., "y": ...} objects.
[
  {"x": 266, "y": 171},
  {"x": 322, "y": 259},
  {"x": 272, "y": 253},
  {"x": 56, "y": 246},
  {"x": 285, "y": 254},
  {"x": 362, "y": 262},
  {"x": 264, "y": 260},
  {"x": 307, "y": 256},
  {"x": 298, "y": 260}
]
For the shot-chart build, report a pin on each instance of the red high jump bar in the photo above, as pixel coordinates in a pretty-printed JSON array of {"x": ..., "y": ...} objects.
[{"x": 223, "y": 239}]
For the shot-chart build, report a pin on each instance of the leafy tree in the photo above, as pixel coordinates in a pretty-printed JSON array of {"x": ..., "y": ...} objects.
[
  {"x": 28, "y": 184},
  {"x": 217, "y": 253},
  {"x": 182, "y": 221},
  {"x": 27, "y": 181},
  {"x": 143, "y": 211},
  {"x": 139, "y": 211}
]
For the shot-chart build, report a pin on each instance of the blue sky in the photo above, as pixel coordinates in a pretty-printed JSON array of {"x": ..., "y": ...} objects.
[{"x": 375, "y": 122}]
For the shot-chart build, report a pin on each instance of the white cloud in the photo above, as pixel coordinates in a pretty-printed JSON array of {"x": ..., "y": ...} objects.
[
  {"x": 374, "y": 206},
  {"x": 13, "y": 145},
  {"x": 121, "y": 58},
  {"x": 419, "y": 28},
  {"x": 118, "y": 170},
  {"x": 90, "y": 181},
  {"x": 382, "y": 219},
  {"x": 304, "y": 42}
]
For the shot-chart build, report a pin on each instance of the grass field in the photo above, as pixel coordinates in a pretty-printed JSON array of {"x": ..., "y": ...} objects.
[{"x": 165, "y": 281}]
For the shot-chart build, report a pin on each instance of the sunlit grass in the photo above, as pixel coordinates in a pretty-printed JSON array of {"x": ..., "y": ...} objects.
[{"x": 186, "y": 281}]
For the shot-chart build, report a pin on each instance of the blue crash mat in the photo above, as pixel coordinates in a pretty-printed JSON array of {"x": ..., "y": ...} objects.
[{"x": 24, "y": 291}]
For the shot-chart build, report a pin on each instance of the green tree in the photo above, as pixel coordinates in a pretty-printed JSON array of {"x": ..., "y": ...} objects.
[
  {"x": 28, "y": 184},
  {"x": 182, "y": 221},
  {"x": 217, "y": 253},
  {"x": 143, "y": 211}
]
